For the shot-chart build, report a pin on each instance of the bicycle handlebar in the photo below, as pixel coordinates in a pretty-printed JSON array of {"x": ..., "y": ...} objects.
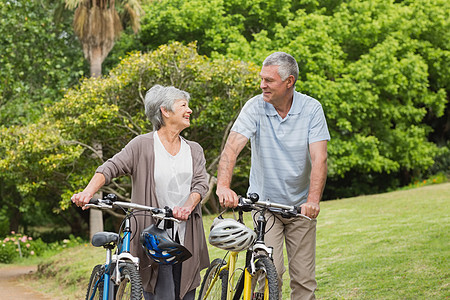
[
  {"x": 252, "y": 202},
  {"x": 108, "y": 203}
]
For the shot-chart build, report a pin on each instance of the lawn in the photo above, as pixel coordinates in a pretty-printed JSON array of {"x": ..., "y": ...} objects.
[{"x": 387, "y": 246}]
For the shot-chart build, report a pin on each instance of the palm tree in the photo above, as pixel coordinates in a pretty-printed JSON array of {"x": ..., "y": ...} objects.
[{"x": 98, "y": 25}]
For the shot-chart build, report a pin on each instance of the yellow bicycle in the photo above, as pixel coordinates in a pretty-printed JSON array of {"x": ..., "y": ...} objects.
[{"x": 258, "y": 279}]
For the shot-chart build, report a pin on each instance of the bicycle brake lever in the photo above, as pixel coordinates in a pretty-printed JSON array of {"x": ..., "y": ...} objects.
[
  {"x": 299, "y": 213},
  {"x": 162, "y": 216},
  {"x": 99, "y": 206}
]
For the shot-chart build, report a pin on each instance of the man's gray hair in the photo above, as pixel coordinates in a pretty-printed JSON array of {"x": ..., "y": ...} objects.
[
  {"x": 160, "y": 96},
  {"x": 287, "y": 64}
]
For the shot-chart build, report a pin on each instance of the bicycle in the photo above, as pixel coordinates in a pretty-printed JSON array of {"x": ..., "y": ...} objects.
[
  {"x": 118, "y": 277},
  {"x": 259, "y": 277}
]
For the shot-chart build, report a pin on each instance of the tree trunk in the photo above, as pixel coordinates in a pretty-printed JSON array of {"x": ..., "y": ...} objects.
[
  {"x": 96, "y": 215},
  {"x": 95, "y": 219},
  {"x": 10, "y": 196},
  {"x": 96, "y": 60}
]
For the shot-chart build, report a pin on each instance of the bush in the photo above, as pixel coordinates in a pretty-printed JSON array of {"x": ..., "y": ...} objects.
[
  {"x": 16, "y": 246},
  {"x": 435, "y": 179}
]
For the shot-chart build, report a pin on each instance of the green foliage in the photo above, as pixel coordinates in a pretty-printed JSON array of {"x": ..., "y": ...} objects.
[
  {"x": 17, "y": 246},
  {"x": 435, "y": 179},
  {"x": 39, "y": 60},
  {"x": 4, "y": 225},
  {"x": 57, "y": 152},
  {"x": 441, "y": 162},
  {"x": 379, "y": 68}
]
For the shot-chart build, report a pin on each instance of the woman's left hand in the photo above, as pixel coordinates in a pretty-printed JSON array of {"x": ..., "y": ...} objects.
[{"x": 181, "y": 213}]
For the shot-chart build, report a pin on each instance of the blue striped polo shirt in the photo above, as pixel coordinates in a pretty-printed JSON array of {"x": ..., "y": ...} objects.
[{"x": 280, "y": 161}]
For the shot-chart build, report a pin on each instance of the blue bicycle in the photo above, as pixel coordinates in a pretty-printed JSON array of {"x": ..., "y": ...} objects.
[{"x": 118, "y": 277}]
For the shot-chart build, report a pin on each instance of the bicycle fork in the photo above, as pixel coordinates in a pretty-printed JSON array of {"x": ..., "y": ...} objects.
[{"x": 231, "y": 269}]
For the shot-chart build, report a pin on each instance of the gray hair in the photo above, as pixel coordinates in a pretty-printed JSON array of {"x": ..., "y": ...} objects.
[
  {"x": 160, "y": 96},
  {"x": 286, "y": 62}
]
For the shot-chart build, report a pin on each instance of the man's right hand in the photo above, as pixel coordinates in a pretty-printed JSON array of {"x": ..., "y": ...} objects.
[{"x": 227, "y": 197}]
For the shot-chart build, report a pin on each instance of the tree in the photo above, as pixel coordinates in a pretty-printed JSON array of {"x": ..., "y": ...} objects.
[
  {"x": 380, "y": 69},
  {"x": 98, "y": 25},
  {"x": 31, "y": 78},
  {"x": 110, "y": 110}
]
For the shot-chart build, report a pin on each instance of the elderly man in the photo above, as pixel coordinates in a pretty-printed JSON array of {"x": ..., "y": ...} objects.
[{"x": 289, "y": 135}]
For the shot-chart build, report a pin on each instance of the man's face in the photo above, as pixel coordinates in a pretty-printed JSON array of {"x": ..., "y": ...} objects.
[{"x": 274, "y": 89}]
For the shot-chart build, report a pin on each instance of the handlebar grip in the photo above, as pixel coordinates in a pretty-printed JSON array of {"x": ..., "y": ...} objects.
[
  {"x": 94, "y": 201},
  {"x": 169, "y": 212}
]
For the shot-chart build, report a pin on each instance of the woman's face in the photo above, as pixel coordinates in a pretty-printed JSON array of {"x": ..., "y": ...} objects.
[{"x": 180, "y": 115}]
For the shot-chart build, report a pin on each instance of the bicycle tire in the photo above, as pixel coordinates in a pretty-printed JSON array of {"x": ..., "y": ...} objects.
[
  {"x": 130, "y": 286},
  {"x": 217, "y": 292},
  {"x": 266, "y": 274},
  {"x": 95, "y": 287}
]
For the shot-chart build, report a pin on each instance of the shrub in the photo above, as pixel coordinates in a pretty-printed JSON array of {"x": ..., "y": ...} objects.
[{"x": 17, "y": 245}]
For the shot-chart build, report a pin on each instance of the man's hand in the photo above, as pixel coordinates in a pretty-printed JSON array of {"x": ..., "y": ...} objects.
[
  {"x": 227, "y": 197},
  {"x": 310, "y": 209},
  {"x": 81, "y": 199}
]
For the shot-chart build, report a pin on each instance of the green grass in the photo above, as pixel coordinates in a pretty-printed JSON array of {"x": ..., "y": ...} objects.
[{"x": 386, "y": 246}]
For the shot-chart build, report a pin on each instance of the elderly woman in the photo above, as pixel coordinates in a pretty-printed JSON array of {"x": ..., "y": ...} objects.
[{"x": 167, "y": 170}]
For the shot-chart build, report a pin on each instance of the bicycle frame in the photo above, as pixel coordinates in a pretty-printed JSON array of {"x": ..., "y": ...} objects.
[
  {"x": 247, "y": 283},
  {"x": 249, "y": 269},
  {"x": 258, "y": 256},
  {"x": 114, "y": 262},
  {"x": 231, "y": 267}
]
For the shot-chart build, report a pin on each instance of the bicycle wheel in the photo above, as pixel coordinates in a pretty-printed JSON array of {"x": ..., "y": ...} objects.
[
  {"x": 95, "y": 287},
  {"x": 219, "y": 287},
  {"x": 130, "y": 286},
  {"x": 265, "y": 282}
]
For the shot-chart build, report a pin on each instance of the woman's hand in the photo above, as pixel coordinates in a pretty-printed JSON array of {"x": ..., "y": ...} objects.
[
  {"x": 181, "y": 213},
  {"x": 81, "y": 199}
]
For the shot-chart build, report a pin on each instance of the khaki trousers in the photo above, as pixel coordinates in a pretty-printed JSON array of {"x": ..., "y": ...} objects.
[{"x": 300, "y": 237}]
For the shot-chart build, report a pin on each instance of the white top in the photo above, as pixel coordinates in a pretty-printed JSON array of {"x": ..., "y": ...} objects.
[{"x": 173, "y": 177}]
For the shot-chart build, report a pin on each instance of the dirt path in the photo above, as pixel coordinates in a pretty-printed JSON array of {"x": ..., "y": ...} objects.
[{"x": 11, "y": 286}]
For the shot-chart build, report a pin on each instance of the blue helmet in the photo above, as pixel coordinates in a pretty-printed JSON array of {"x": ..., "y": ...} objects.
[{"x": 161, "y": 248}]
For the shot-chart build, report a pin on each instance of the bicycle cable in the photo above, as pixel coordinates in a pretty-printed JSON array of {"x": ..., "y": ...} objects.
[
  {"x": 268, "y": 217},
  {"x": 131, "y": 215}
]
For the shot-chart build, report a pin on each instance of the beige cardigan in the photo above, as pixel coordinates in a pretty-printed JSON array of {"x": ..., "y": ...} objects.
[{"x": 137, "y": 159}]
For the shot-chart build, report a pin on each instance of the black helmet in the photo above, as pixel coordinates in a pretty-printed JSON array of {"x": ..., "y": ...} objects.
[{"x": 161, "y": 248}]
